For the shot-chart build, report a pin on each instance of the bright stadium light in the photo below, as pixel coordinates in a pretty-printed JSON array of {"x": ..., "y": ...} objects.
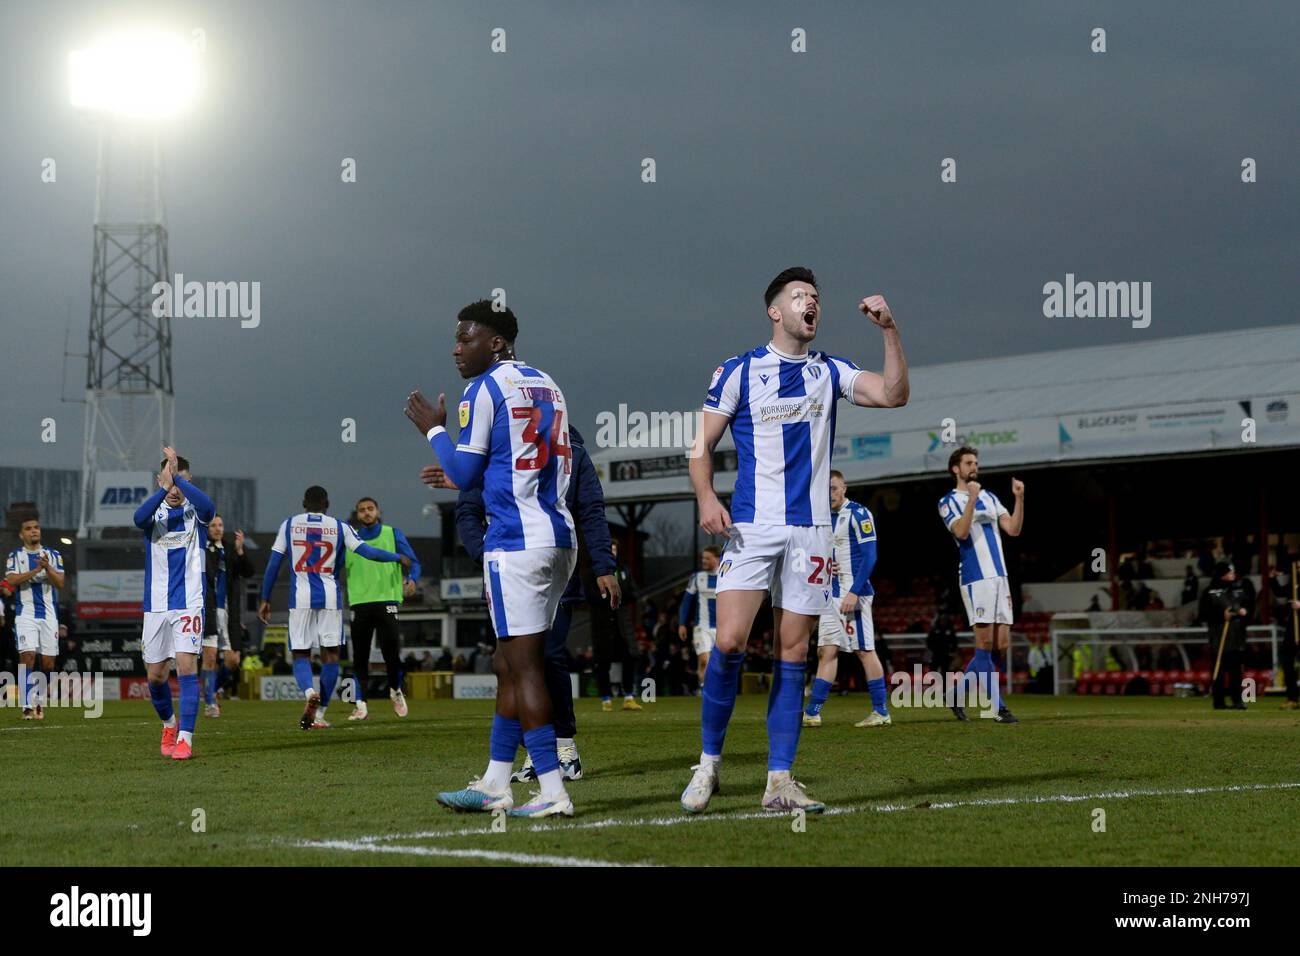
[{"x": 142, "y": 74}]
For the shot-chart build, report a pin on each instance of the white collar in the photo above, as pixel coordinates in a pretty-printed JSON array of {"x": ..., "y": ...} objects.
[{"x": 785, "y": 355}]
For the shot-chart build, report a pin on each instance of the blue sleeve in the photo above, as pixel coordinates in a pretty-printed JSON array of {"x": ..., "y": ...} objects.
[
  {"x": 866, "y": 564},
  {"x": 272, "y": 572},
  {"x": 470, "y": 516},
  {"x": 590, "y": 513},
  {"x": 688, "y": 605},
  {"x": 404, "y": 548},
  {"x": 203, "y": 506},
  {"x": 464, "y": 468},
  {"x": 375, "y": 554},
  {"x": 144, "y": 514}
]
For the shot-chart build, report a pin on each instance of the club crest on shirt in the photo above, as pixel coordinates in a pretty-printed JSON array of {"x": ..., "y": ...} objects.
[
  {"x": 814, "y": 370},
  {"x": 866, "y": 526},
  {"x": 464, "y": 414},
  {"x": 724, "y": 567}
]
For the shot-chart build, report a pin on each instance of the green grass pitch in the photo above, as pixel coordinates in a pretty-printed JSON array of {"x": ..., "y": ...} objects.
[{"x": 927, "y": 790}]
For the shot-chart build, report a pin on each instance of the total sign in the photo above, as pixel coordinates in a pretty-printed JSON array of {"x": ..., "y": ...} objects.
[{"x": 118, "y": 494}]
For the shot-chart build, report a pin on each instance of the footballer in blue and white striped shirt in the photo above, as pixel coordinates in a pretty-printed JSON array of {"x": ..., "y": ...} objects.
[
  {"x": 313, "y": 543},
  {"x": 976, "y": 517},
  {"x": 514, "y": 443},
  {"x": 35, "y": 573},
  {"x": 174, "y": 520},
  {"x": 780, "y": 402}
]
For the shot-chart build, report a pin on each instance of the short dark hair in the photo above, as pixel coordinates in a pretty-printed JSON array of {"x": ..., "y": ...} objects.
[
  {"x": 481, "y": 312},
  {"x": 955, "y": 458},
  {"x": 714, "y": 550},
  {"x": 365, "y": 498},
  {"x": 316, "y": 498},
  {"x": 784, "y": 278},
  {"x": 182, "y": 463},
  {"x": 27, "y": 516},
  {"x": 836, "y": 473}
]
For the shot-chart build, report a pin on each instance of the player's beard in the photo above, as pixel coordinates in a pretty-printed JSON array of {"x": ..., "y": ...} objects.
[{"x": 797, "y": 328}]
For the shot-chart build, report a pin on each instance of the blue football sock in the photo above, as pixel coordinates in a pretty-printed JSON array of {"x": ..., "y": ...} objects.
[
  {"x": 718, "y": 698},
  {"x": 329, "y": 676},
  {"x": 821, "y": 689},
  {"x": 189, "y": 702},
  {"x": 161, "y": 697},
  {"x": 784, "y": 714},
  {"x": 507, "y": 734},
  {"x": 876, "y": 687},
  {"x": 302, "y": 673},
  {"x": 209, "y": 686},
  {"x": 541, "y": 747},
  {"x": 982, "y": 665}
]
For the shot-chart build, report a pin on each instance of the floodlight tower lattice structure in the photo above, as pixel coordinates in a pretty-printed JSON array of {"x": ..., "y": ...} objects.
[{"x": 130, "y": 401}]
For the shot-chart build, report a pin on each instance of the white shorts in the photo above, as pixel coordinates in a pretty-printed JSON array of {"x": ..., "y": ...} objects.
[
  {"x": 988, "y": 601},
  {"x": 37, "y": 634},
  {"x": 168, "y": 633},
  {"x": 704, "y": 639},
  {"x": 523, "y": 588},
  {"x": 221, "y": 639},
  {"x": 310, "y": 627},
  {"x": 853, "y": 632},
  {"x": 793, "y": 563}
]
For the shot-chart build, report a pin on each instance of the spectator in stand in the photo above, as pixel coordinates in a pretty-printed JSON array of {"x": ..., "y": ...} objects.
[
  {"x": 1154, "y": 602},
  {"x": 426, "y": 662},
  {"x": 1141, "y": 597},
  {"x": 1144, "y": 569},
  {"x": 1094, "y": 604},
  {"x": 458, "y": 665},
  {"x": 1205, "y": 563},
  {"x": 443, "y": 663},
  {"x": 1191, "y": 587}
]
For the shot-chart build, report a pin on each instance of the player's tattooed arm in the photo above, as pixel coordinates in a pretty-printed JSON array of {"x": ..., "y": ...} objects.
[
  {"x": 1012, "y": 523},
  {"x": 890, "y": 388},
  {"x": 713, "y": 517}
]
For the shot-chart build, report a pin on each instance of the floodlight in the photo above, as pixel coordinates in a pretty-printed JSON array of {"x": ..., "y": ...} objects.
[{"x": 140, "y": 74}]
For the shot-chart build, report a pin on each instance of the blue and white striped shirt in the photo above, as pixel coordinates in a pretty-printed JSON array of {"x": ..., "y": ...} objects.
[
  {"x": 782, "y": 413},
  {"x": 37, "y": 599}
]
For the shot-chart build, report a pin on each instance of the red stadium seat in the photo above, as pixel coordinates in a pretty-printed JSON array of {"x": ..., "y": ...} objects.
[{"x": 1159, "y": 682}]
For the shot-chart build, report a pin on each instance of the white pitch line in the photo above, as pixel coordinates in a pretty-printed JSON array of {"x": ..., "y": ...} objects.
[
  {"x": 500, "y": 856},
  {"x": 838, "y": 811}
]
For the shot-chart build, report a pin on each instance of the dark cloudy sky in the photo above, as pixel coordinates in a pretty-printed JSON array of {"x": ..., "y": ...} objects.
[{"x": 522, "y": 170}]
